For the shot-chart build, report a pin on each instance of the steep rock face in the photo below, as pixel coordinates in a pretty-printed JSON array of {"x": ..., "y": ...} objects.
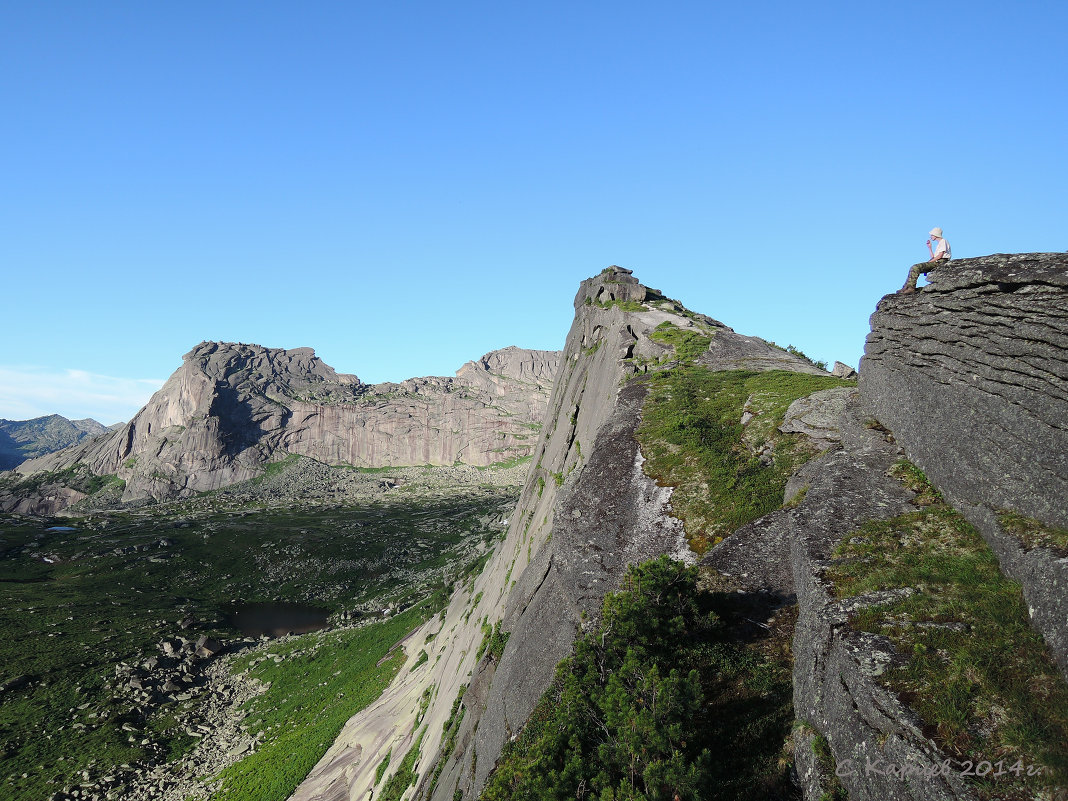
[
  {"x": 836, "y": 669},
  {"x": 230, "y": 409},
  {"x": 586, "y": 512},
  {"x": 971, "y": 374}
]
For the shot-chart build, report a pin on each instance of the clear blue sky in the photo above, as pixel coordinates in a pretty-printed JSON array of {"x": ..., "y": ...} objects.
[{"x": 406, "y": 185}]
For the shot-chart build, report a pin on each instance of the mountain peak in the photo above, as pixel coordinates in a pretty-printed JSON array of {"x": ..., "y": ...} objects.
[
  {"x": 232, "y": 408},
  {"x": 27, "y": 439}
]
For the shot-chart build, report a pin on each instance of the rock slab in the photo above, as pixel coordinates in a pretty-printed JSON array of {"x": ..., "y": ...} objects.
[{"x": 971, "y": 375}]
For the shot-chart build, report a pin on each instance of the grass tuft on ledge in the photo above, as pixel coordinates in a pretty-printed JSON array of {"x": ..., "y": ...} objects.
[
  {"x": 1034, "y": 533},
  {"x": 687, "y": 342},
  {"x": 693, "y": 439},
  {"x": 974, "y": 669}
]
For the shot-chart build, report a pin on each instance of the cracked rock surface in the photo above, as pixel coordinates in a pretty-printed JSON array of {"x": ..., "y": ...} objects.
[
  {"x": 836, "y": 669},
  {"x": 971, "y": 374},
  {"x": 607, "y": 516}
]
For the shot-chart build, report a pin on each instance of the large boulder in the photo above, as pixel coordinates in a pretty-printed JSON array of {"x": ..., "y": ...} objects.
[{"x": 971, "y": 374}]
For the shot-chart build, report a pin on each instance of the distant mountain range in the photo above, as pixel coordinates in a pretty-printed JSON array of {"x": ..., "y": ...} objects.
[
  {"x": 231, "y": 409},
  {"x": 27, "y": 439}
]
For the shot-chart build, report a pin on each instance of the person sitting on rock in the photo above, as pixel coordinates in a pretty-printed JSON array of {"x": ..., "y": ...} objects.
[{"x": 940, "y": 252}]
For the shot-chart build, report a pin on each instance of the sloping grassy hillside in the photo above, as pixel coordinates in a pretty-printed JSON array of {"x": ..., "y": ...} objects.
[
  {"x": 725, "y": 473},
  {"x": 106, "y": 589},
  {"x": 312, "y": 693}
]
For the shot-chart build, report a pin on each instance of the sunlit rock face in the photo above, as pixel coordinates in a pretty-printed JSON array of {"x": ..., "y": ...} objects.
[
  {"x": 586, "y": 512},
  {"x": 972, "y": 374},
  {"x": 230, "y": 409}
]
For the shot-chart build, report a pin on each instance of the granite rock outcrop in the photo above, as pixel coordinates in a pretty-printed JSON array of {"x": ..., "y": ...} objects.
[
  {"x": 966, "y": 378},
  {"x": 231, "y": 409},
  {"x": 586, "y": 512},
  {"x": 837, "y": 693},
  {"x": 971, "y": 375}
]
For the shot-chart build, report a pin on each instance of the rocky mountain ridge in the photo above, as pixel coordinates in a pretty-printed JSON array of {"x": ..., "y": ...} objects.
[
  {"x": 27, "y": 439},
  {"x": 962, "y": 379},
  {"x": 972, "y": 375},
  {"x": 588, "y": 510},
  {"x": 231, "y": 409}
]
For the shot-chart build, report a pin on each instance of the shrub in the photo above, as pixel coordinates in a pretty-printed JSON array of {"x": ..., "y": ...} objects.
[{"x": 648, "y": 706}]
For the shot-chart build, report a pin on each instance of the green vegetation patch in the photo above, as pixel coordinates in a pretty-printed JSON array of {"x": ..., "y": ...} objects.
[
  {"x": 77, "y": 477},
  {"x": 423, "y": 657},
  {"x": 276, "y": 468},
  {"x": 382, "y": 766},
  {"x": 687, "y": 342},
  {"x": 375, "y": 470},
  {"x": 1034, "y": 533},
  {"x": 424, "y": 702},
  {"x": 913, "y": 478},
  {"x": 832, "y": 786},
  {"x": 313, "y": 691},
  {"x": 493, "y": 640},
  {"x": 405, "y": 776},
  {"x": 448, "y": 745},
  {"x": 624, "y": 305},
  {"x": 693, "y": 439},
  {"x": 515, "y": 461},
  {"x": 975, "y": 671},
  {"x": 75, "y": 603},
  {"x": 663, "y": 700}
]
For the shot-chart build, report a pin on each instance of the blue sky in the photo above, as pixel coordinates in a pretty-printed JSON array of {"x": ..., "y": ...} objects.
[{"x": 404, "y": 186}]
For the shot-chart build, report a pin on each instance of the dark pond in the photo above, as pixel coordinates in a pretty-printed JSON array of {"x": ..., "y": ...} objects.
[{"x": 276, "y": 619}]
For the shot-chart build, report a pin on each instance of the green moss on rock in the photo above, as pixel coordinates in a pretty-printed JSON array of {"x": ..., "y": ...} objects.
[{"x": 972, "y": 667}]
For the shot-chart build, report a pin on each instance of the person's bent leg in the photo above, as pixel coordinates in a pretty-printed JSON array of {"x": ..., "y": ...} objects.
[{"x": 914, "y": 276}]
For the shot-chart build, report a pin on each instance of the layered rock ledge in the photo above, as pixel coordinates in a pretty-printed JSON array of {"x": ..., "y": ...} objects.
[{"x": 971, "y": 374}]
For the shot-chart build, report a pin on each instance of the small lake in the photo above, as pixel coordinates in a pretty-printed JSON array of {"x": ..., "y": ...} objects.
[
  {"x": 276, "y": 619},
  {"x": 33, "y": 580}
]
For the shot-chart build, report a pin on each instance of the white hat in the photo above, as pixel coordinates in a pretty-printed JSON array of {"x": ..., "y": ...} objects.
[{"x": 936, "y": 232}]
